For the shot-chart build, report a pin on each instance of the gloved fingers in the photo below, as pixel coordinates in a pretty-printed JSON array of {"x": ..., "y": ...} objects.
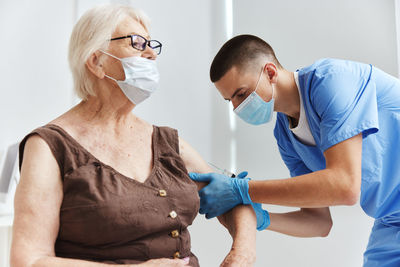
[
  {"x": 202, "y": 211},
  {"x": 264, "y": 222},
  {"x": 262, "y": 215},
  {"x": 201, "y": 177},
  {"x": 203, "y": 193},
  {"x": 206, "y": 201},
  {"x": 208, "y": 211},
  {"x": 213, "y": 214},
  {"x": 209, "y": 216},
  {"x": 242, "y": 175},
  {"x": 203, "y": 206},
  {"x": 212, "y": 211},
  {"x": 217, "y": 212}
]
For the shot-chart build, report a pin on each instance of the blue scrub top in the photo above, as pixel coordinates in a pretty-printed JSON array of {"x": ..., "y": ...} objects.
[{"x": 343, "y": 99}]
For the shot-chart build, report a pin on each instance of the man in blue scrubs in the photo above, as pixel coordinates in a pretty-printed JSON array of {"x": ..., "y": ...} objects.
[{"x": 338, "y": 132}]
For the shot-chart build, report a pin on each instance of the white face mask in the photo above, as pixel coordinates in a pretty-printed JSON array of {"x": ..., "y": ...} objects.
[{"x": 141, "y": 77}]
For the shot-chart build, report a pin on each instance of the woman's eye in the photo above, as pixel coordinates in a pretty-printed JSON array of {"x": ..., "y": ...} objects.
[{"x": 137, "y": 45}]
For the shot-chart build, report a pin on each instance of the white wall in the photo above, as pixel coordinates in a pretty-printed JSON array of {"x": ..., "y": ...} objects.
[
  {"x": 36, "y": 86},
  {"x": 397, "y": 12},
  {"x": 35, "y": 80}
]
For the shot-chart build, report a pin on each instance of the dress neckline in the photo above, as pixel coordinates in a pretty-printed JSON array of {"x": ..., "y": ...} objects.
[{"x": 153, "y": 146}]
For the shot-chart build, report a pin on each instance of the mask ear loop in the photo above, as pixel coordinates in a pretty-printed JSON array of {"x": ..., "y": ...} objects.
[
  {"x": 108, "y": 54},
  {"x": 273, "y": 91},
  {"x": 273, "y": 86}
]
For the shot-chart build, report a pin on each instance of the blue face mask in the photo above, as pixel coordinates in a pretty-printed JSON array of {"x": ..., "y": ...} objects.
[{"x": 254, "y": 109}]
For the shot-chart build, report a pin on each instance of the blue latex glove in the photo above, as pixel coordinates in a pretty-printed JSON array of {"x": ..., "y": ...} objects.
[
  {"x": 262, "y": 215},
  {"x": 242, "y": 174},
  {"x": 222, "y": 193}
]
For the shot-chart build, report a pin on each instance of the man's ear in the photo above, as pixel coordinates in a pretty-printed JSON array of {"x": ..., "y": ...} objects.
[
  {"x": 272, "y": 72},
  {"x": 95, "y": 66}
]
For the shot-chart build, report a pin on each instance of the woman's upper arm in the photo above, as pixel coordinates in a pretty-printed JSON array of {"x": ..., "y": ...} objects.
[
  {"x": 37, "y": 204},
  {"x": 192, "y": 159}
]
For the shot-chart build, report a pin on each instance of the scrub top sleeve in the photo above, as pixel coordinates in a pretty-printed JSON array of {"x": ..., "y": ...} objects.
[
  {"x": 295, "y": 165},
  {"x": 346, "y": 105},
  {"x": 292, "y": 160}
]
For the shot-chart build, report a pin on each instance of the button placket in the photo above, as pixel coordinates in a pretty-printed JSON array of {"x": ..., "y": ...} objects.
[{"x": 175, "y": 234}]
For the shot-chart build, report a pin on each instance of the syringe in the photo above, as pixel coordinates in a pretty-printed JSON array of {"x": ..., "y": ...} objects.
[{"x": 223, "y": 171}]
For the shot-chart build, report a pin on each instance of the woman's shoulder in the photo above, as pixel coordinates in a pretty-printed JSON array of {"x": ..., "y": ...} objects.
[
  {"x": 49, "y": 139},
  {"x": 48, "y": 133},
  {"x": 166, "y": 138},
  {"x": 41, "y": 134}
]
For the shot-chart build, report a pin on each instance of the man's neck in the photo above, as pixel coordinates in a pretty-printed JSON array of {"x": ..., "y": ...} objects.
[{"x": 287, "y": 98}]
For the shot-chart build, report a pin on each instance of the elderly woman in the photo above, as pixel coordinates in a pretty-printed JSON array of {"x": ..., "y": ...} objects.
[{"x": 101, "y": 186}]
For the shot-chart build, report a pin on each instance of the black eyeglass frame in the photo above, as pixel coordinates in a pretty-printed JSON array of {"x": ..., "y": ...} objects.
[{"x": 146, "y": 43}]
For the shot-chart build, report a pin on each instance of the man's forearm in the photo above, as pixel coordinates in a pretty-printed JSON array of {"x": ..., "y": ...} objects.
[
  {"x": 316, "y": 222},
  {"x": 323, "y": 188}
]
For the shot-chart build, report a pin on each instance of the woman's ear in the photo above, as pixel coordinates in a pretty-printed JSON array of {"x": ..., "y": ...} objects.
[{"x": 95, "y": 66}]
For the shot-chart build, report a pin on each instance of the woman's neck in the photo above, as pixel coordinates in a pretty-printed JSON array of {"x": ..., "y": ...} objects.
[{"x": 109, "y": 107}]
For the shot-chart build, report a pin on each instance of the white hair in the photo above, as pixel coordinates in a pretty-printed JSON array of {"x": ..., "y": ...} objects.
[{"x": 92, "y": 32}]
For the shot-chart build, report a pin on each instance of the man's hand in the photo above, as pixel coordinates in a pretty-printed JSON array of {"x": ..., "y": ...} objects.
[{"x": 221, "y": 194}]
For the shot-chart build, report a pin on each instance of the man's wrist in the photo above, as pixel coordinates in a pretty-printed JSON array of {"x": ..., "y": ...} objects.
[
  {"x": 266, "y": 221},
  {"x": 243, "y": 188}
]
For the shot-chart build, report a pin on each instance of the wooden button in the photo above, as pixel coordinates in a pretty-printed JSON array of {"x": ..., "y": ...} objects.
[
  {"x": 173, "y": 214},
  {"x": 162, "y": 193},
  {"x": 177, "y": 255},
  {"x": 175, "y": 233}
]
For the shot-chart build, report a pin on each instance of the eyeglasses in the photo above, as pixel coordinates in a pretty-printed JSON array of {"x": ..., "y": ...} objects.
[{"x": 139, "y": 42}]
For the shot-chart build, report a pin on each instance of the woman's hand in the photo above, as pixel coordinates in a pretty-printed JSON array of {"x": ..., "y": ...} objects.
[
  {"x": 165, "y": 263},
  {"x": 239, "y": 258}
]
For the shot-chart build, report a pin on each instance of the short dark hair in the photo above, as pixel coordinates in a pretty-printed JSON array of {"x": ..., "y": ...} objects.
[{"x": 240, "y": 51}]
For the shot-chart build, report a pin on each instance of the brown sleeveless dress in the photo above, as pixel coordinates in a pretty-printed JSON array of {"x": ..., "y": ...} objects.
[{"x": 108, "y": 217}]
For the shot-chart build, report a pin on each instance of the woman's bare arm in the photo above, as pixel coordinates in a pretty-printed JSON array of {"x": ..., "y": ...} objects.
[
  {"x": 37, "y": 201},
  {"x": 37, "y": 205},
  {"x": 241, "y": 221}
]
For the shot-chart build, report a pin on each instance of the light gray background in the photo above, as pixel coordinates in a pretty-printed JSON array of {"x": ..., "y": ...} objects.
[{"x": 36, "y": 87}]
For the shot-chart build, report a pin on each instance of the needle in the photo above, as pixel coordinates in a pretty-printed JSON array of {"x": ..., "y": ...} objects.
[{"x": 224, "y": 171}]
